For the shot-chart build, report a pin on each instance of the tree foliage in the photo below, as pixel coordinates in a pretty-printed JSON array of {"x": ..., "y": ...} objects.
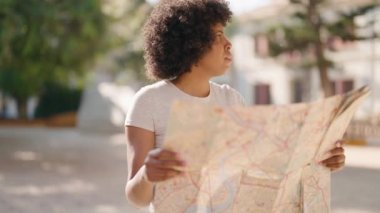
[
  {"x": 308, "y": 30},
  {"x": 46, "y": 41},
  {"x": 131, "y": 41}
]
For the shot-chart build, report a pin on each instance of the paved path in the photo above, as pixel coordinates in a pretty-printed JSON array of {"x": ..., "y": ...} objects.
[{"x": 63, "y": 170}]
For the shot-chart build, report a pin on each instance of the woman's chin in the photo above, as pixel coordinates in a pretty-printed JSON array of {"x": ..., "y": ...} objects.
[
  {"x": 227, "y": 65},
  {"x": 222, "y": 71}
]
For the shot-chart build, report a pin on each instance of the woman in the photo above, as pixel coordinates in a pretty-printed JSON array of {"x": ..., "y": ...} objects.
[{"x": 185, "y": 46}]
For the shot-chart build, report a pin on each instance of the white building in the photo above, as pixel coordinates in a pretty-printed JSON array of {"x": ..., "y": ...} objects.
[{"x": 359, "y": 61}]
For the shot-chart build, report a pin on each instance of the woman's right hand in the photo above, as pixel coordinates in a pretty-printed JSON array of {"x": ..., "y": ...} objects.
[{"x": 161, "y": 165}]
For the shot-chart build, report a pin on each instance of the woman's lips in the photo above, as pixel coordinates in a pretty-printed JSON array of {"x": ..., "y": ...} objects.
[{"x": 228, "y": 56}]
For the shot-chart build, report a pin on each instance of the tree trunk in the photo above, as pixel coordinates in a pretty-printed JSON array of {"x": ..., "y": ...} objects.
[
  {"x": 22, "y": 108},
  {"x": 323, "y": 72},
  {"x": 315, "y": 21}
]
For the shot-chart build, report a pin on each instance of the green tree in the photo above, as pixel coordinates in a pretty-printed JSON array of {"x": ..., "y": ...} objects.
[
  {"x": 47, "y": 41},
  {"x": 130, "y": 41},
  {"x": 308, "y": 31}
]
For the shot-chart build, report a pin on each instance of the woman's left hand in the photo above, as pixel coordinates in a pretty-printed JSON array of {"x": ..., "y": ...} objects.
[{"x": 335, "y": 159}]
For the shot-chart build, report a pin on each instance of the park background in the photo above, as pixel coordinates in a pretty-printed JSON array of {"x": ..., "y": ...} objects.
[{"x": 68, "y": 70}]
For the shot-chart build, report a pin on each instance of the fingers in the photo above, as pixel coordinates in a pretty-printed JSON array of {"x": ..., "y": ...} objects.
[
  {"x": 334, "y": 160},
  {"x": 337, "y": 160},
  {"x": 335, "y": 167},
  {"x": 166, "y": 155},
  {"x": 158, "y": 175},
  {"x": 163, "y": 154},
  {"x": 162, "y": 158},
  {"x": 161, "y": 165},
  {"x": 337, "y": 151},
  {"x": 335, "y": 163},
  {"x": 164, "y": 164}
]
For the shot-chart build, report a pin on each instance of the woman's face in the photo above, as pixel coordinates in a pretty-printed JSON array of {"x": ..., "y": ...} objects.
[{"x": 218, "y": 59}]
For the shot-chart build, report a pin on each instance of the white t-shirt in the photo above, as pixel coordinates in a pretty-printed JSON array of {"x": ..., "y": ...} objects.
[{"x": 150, "y": 107}]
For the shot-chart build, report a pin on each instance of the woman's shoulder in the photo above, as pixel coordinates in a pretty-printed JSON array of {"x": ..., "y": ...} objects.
[
  {"x": 223, "y": 88},
  {"x": 226, "y": 91},
  {"x": 152, "y": 89}
]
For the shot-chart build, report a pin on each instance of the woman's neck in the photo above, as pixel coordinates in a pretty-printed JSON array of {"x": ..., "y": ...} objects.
[{"x": 193, "y": 83}]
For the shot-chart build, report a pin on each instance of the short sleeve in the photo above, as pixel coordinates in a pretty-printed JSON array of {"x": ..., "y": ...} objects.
[
  {"x": 234, "y": 97},
  {"x": 140, "y": 112},
  {"x": 239, "y": 98}
]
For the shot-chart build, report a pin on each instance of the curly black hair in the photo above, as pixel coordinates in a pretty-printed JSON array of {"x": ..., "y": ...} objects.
[{"x": 178, "y": 33}]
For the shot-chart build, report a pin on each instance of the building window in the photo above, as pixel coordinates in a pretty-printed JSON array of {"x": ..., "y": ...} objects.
[{"x": 262, "y": 94}]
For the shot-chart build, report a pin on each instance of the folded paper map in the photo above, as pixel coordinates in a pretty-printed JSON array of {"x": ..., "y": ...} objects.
[{"x": 254, "y": 159}]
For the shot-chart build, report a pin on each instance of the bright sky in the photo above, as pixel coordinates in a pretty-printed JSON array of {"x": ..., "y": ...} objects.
[{"x": 240, "y": 6}]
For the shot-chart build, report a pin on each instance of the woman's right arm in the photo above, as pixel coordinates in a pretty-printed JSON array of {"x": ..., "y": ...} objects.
[{"x": 147, "y": 165}]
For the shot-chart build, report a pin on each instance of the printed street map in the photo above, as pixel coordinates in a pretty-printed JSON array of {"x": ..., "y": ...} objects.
[{"x": 254, "y": 159}]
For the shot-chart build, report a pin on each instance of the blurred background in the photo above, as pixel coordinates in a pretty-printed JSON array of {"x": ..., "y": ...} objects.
[{"x": 68, "y": 70}]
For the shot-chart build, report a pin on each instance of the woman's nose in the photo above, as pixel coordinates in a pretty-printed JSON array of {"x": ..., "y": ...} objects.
[{"x": 228, "y": 45}]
